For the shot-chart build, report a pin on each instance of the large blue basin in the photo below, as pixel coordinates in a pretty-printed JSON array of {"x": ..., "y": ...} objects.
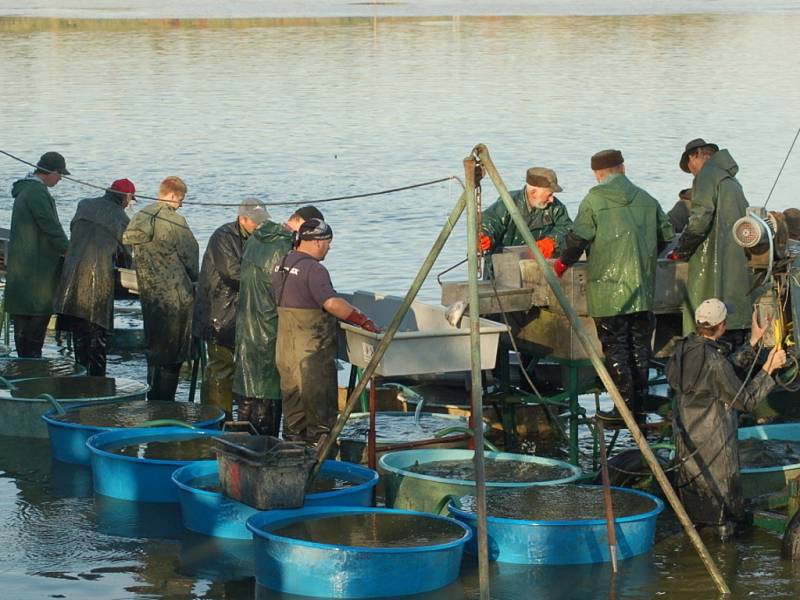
[
  {"x": 132, "y": 478},
  {"x": 326, "y": 571},
  {"x": 212, "y": 513},
  {"x": 68, "y": 440},
  {"x": 566, "y": 542},
  {"x": 766, "y": 480}
]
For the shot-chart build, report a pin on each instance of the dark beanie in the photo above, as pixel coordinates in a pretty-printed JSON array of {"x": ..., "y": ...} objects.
[
  {"x": 606, "y": 159},
  {"x": 309, "y": 212}
]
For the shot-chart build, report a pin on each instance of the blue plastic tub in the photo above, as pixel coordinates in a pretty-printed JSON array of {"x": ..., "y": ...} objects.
[
  {"x": 565, "y": 542},
  {"x": 213, "y": 513},
  {"x": 138, "y": 479},
  {"x": 68, "y": 440},
  {"x": 766, "y": 480},
  {"x": 326, "y": 571},
  {"x": 416, "y": 491}
]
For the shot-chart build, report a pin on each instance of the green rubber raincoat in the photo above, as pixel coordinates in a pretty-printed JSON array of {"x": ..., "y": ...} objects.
[
  {"x": 36, "y": 246},
  {"x": 257, "y": 315},
  {"x": 166, "y": 256},
  {"x": 552, "y": 221},
  {"x": 624, "y": 226},
  {"x": 718, "y": 265},
  {"x": 87, "y": 282}
]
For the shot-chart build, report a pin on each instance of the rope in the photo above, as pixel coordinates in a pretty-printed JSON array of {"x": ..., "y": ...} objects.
[
  {"x": 781, "y": 169},
  {"x": 229, "y": 205}
]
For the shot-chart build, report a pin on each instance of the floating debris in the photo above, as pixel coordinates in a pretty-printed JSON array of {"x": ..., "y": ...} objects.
[
  {"x": 759, "y": 454},
  {"x": 558, "y": 503},
  {"x": 497, "y": 471},
  {"x": 131, "y": 414},
  {"x": 373, "y": 530}
]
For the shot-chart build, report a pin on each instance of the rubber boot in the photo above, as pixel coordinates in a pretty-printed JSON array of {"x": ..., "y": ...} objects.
[
  {"x": 163, "y": 381},
  {"x": 217, "y": 393}
]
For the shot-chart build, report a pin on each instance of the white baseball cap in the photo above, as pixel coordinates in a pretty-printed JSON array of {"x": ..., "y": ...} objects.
[{"x": 710, "y": 313}]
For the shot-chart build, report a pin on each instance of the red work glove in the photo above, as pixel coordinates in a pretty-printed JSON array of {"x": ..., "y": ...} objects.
[
  {"x": 484, "y": 242},
  {"x": 547, "y": 246},
  {"x": 359, "y": 319},
  {"x": 673, "y": 255},
  {"x": 559, "y": 267}
]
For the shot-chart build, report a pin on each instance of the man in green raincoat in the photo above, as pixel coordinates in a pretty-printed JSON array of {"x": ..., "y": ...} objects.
[
  {"x": 85, "y": 297},
  {"x": 545, "y": 215},
  {"x": 622, "y": 228},
  {"x": 256, "y": 383},
  {"x": 717, "y": 264},
  {"x": 166, "y": 256},
  {"x": 36, "y": 248}
]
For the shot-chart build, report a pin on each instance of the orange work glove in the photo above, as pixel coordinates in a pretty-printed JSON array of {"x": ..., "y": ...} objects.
[
  {"x": 484, "y": 242},
  {"x": 547, "y": 246}
]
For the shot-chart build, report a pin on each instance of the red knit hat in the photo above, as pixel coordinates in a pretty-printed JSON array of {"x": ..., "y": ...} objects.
[{"x": 124, "y": 185}]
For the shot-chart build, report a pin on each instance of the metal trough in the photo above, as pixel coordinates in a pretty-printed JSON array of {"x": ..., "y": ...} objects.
[{"x": 425, "y": 343}]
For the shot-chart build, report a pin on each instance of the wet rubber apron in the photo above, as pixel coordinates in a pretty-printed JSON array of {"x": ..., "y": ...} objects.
[{"x": 306, "y": 361}]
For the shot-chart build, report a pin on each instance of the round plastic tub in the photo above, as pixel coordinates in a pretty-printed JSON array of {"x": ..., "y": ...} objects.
[
  {"x": 765, "y": 480},
  {"x": 320, "y": 570},
  {"x": 133, "y": 478},
  {"x": 17, "y": 369},
  {"x": 564, "y": 542},
  {"x": 212, "y": 513},
  {"x": 68, "y": 439},
  {"x": 21, "y": 408},
  {"x": 416, "y": 491}
]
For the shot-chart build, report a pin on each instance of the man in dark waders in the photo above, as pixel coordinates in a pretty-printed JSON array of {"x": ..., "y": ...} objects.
[
  {"x": 36, "y": 247},
  {"x": 166, "y": 257},
  {"x": 709, "y": 397},
  {"x": 308, "y": 307},
  {"x": 622, "y": 228},
  {"x": 85, "y": 297},
  {"x": 256, "y": 383},
  {"x": 217, "y": 296}
]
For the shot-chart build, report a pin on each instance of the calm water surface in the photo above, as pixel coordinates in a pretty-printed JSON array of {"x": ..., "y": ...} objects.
[{"x": 288, "y": 111}]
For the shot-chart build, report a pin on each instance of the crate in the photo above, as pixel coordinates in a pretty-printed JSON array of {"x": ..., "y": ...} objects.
[{"x": 263, "y": 471}]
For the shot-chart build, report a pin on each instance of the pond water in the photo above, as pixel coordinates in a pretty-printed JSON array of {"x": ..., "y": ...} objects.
[{"x": 297, "y": 101}]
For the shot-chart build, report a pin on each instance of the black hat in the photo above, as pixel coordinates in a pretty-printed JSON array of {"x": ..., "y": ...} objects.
[
  {"x": 691, "y": 147},
  {"x": 309, "y": 212},
  {"x": 52, "y": 162},
  {"x": 315, "y": 229},
  {"x": 605, "y": 159}
]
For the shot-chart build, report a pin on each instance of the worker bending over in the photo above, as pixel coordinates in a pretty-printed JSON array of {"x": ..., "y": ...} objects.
[{"x": 308, "y": 307}]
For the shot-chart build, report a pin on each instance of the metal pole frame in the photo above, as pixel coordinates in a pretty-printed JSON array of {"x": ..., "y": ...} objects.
[{"x": 482, "y": 154}]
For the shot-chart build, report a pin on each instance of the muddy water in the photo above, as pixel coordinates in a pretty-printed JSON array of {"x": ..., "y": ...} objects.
[
  {"x": 758, "y": 454},
  {"x": 76, "y": 387},
  {"x": 558, "y": 503},
  {"x": 199, "y": 448},
  {"x": 400, "y": 428},
  {"x": 321, "y": 483},
  {"x": 131, "y": 414},
  {"x": 12, "y": 369},
  {"x": 497, "y": 471},
  {"x": 373, "y": 531}
]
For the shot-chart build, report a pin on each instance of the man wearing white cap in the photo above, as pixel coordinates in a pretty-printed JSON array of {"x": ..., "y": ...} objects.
[
  {"x": 709, "y": 397},
  {"x": 217, "y": 296}
]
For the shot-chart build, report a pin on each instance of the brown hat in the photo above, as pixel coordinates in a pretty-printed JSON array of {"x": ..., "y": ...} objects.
[
  {"x": 605, "y": 159},
  {"x": 544, "y": 178},
  {"x": 691, "y": 147}
]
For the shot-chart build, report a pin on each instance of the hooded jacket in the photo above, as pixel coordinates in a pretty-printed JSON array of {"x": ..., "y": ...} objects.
[
  {"x": 717, "y": 264},
  {"x": 36, "y": 246},
  {"x": 257, "y": 314},
  {"x": 708, "y": 399},
  {"x": 86, "y": 289},
  {"x": 166, "y": 257},
  {"x": 623, "y": 226},
  {"x": 218, "y": 286}
]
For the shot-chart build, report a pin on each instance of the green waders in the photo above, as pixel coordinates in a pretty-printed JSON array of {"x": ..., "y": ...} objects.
[
  {"x": 218, "y": 378},
  {"x": 306, "y": 360}
]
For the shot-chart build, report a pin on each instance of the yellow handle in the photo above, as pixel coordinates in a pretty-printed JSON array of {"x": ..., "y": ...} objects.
[{"x": 777, "y": 332}]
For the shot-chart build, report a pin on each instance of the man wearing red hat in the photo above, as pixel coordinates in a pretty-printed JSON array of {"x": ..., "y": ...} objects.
[{"x": 84, "y": 300}]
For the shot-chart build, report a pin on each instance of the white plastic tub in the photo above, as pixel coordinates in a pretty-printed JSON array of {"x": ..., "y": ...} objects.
[{"x": 425, "y": 343}]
